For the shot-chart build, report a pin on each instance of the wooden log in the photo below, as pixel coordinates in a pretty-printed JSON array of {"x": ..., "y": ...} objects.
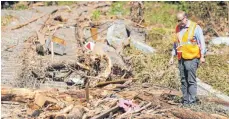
[
  {"x": 142, "y": 108},
  {"x": 83, "y": 66},
  {"x": 40, "y": 100},
  {"x": 76, "y": 113},
  {"x": 217, "y": 116},
  {"x": 61, "y": 65},
  {"x": 107, "y": 113},
  {"x": 124, "y": 115},
  {"x": 9, "y": 102},
  {"x": 18, "y": 92},
  {"x": 28, "y": 22},
  {"x": 218, "y": 101},
  {"x": 7, "y": 97},
  {"x": 87, "y": 92},
  {"x": 52, "y": 51},
  {"x": 111, "y": 82},
  {"x": 189, "y": 114},
  {"x": 41, "y": 38},
  {"x": 67, "y": 109}
]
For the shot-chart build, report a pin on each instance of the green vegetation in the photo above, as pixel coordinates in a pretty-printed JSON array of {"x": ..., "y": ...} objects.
[
  {"x": 20, "y": 6},
  {"x": 153, "y": 68},
  {"x": 119, "y": 8},
  {"x": 66, "y": 2},
  {"x": 160, "y": 14},
  {"x": 60, "y": 3},
  {"x": 6, "y": 20},
  {"x": 210, "y": 107},
  {"x": 216, "y": 72},
  {"x": 96, "y": 15}
]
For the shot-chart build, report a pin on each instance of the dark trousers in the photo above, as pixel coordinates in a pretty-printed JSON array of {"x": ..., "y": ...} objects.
[{"x": 188, "y": 79}]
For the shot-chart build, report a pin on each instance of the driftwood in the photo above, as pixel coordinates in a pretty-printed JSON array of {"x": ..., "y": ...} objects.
[
  {"x": 7, "y": 97},
  {"x": 67, "y": 109},
  {"x": 219, "y": 116},
  {"x": 9, "y": 102},
  {"x": 75, "y": 113},
  {"x": 218, "y": 101},
  {"x": 46, "y": 21},
  {"x": 17, "y": 94},
  {"x": 112, "y": 57},
  {"x": 111, "y": 82},
  {"x": 188, "y": 114},
  {"x": 136, "y": 111},
  {"x": 107, "y": 113},
  {"x": 87, "y": 91},
  {"x": 40, "y": 100},
  {"x": 142, "y": 108},
  {"x": 63, "y": 65},
  {"x": 30, "y": 21}
]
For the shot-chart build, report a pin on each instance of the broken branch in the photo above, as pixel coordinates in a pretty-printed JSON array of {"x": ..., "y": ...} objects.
[
  {"x": 111, "y": 82},
  {"x": 107, "y": 113},
  {"x": 24, "y": 24}
]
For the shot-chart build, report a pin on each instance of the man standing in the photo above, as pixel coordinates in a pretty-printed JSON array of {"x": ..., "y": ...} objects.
[{"x": 189, "y": 46}]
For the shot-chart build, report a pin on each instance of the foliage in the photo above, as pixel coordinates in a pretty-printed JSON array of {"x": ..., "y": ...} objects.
[
  {"x": 183, "y": 6},
  {"x": 49, "y": 3},
  {"x": 5, "y": 20},
  {"x": 150, "y": 68},
  {"x": 153, "y": 68},
  {"x": 65, "y": 2},
  {"x": 21, "y": 6},
  {"x": 96, "y": 15},
  {"x": 214, "y": 15},
  {"x": 210, "y": 107},
  {"x": 119, "y": 8},
  {"x": 216, "y": 72},
  {"x": 160, "y": 14}
]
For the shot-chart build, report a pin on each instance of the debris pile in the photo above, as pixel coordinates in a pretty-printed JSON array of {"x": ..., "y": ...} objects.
[
  {"x": 81, "y": 50},
  {"x": 108, "y": 101},
  {"x": 78, "y": 70}
]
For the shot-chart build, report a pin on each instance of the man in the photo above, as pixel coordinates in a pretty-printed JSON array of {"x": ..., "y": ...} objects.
[{"x": 189, "y": 46}]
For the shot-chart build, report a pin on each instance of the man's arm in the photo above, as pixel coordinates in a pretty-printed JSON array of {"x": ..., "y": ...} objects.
[
  {"x": 200, "y": 40},
  {"x": 173, "y": 53}
]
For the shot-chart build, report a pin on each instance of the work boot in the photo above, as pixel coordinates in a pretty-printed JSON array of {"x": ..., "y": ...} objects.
[
  {"x": 196, "y": 102},
  {"x": 185, "y": 105}
]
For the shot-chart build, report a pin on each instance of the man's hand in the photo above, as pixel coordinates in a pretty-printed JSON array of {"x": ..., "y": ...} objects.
[
  {"x": 202, "y": 59},
  {"x": 171, "y": 61}
]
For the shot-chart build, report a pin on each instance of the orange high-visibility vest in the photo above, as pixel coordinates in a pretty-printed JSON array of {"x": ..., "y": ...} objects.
[{"x": 186, "y": 42}]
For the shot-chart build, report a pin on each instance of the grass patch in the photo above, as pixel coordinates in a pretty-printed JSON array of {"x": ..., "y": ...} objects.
[
  {"x": 119, "y": 8},
  {"x": 60, "y": 3},
  {"x": 216, "y": 72},
  {"x": 211, "y": 108},
  {"x": 160, "y": 14},
  {"x": 66, "y": 2},
  {"x": 96, "y": 15},
  {"x": 153, "y": 68},
  {"x": 20, "y": 6},
  {"x": 6, "y": 20}
]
